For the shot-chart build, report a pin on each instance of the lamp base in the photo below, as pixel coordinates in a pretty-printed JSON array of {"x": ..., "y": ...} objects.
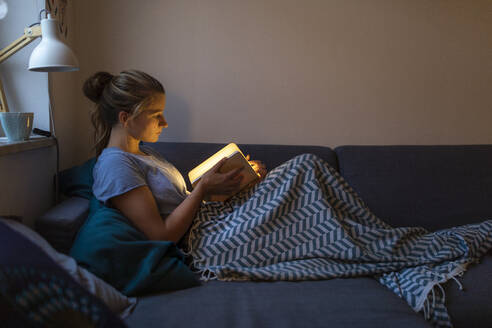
[{"x": 17, "y": 126}]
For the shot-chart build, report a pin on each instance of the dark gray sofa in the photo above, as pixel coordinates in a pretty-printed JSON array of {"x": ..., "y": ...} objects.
[{"x": 431, "y": 186}]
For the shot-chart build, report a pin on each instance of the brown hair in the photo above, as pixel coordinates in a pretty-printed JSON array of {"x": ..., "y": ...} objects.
[{"x": 129, "y": 91}]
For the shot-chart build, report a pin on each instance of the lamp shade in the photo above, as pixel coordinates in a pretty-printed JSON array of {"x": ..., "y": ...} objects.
[{"x": 51, "y": 54}]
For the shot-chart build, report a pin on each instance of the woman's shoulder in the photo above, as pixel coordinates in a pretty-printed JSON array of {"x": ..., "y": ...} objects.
[
  {"x": 113, "y": 158},
  {"x": 115, "y": 173}
]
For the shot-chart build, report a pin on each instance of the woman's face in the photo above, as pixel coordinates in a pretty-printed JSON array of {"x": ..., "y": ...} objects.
[{"x": 148, "y": 125}]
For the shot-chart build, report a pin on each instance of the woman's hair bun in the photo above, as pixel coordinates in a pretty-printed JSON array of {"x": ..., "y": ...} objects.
[{"x": 94, "y": 85}]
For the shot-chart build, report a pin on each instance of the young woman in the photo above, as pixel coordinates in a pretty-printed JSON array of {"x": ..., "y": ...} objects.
[
  {"x": 146, "y": 188},
  {"x": 302, "y": 221}
]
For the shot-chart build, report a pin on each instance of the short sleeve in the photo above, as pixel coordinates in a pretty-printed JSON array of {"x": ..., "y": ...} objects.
[{"x": 116, "y": 173}]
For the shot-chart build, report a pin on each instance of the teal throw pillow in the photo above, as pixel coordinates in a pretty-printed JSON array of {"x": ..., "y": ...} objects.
[{"x": 77, "y": 181}]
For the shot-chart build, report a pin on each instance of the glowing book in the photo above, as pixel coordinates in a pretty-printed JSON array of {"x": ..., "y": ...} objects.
[{"x": 235, "y": 159}]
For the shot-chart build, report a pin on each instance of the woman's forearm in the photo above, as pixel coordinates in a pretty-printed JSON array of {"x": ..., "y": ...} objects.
[
  {"x": 212, "y": 182},
  {"x": 177, "y": 223}
]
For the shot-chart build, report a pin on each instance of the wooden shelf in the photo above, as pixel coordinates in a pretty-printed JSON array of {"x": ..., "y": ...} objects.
[{"x": 34, "y": 142}]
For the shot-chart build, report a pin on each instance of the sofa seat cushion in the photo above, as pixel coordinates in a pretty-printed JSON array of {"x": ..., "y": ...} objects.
[
  {"x": 434, "y": 187},
  {"x": 472, "y": 306},
  {"x": 359, "y": 302},
  {"x": 185, "y": 156}
]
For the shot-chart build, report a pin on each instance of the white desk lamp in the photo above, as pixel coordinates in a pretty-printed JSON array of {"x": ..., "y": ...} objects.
[{"x": 51, "y": 55}]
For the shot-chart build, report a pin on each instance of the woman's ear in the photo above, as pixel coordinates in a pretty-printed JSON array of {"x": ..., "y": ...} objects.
[{"x": 123, "y": 117}]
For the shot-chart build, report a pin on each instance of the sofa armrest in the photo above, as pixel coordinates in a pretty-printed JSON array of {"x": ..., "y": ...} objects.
[{"x": 60, "y": 224}]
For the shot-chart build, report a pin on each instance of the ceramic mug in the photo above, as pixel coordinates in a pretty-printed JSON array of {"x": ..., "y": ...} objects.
[{"x": 17, "y": 126}]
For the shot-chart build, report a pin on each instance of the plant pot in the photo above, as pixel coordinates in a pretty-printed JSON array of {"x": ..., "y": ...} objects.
[{"x": 17, "y": 126}]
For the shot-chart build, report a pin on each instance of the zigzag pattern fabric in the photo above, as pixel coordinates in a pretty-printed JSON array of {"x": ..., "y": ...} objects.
[{"x": 304, "y": 222}]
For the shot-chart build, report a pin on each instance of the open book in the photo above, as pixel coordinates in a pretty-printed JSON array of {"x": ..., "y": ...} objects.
[{"x": 235, "y": 159}]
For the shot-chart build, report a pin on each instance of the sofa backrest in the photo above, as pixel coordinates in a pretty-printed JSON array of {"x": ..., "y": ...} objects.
[
  {"x": 430, "y": 186},
  {"x": 185, "y": 156}
]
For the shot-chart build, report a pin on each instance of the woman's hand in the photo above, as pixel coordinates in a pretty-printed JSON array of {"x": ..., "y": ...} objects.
[
  {"x": 258, "y": 166},
  {"x": 215, "y": 183}
]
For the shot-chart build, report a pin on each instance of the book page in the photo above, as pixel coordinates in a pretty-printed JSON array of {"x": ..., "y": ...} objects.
[{"x": 235, "y": 159}]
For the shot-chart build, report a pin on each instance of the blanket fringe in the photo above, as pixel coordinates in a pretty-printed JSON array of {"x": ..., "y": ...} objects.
[
  {"x": 205, "y": 274},
  {"x": 431, "y": 295},
  {"x": 460, "y": 286},
  {"x": 427, "y": 307},
  {"x": 440, "y": 279}
]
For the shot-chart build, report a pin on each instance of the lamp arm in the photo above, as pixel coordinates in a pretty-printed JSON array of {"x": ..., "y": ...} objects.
[{"x": 30, "y": 34}]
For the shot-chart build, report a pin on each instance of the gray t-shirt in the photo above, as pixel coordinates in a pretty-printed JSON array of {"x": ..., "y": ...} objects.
[{"x": 117, "y": 172}]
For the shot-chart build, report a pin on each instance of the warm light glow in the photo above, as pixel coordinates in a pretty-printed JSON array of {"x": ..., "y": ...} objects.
[
  {"x": 195, "y": 174},
  {"x": 236, "y": 159}
]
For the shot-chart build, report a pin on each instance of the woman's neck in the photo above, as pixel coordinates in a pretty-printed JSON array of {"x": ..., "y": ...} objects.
[{"x": 121, "y": 139}]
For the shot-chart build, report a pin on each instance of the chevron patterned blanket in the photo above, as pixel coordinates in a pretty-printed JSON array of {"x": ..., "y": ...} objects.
[{"x": 304, "y": 222}]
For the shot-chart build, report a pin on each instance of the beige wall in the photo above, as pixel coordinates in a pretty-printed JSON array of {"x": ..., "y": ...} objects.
[
  {"x": 327, "y": 72},
  {"x": 66, "y": 100}
]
